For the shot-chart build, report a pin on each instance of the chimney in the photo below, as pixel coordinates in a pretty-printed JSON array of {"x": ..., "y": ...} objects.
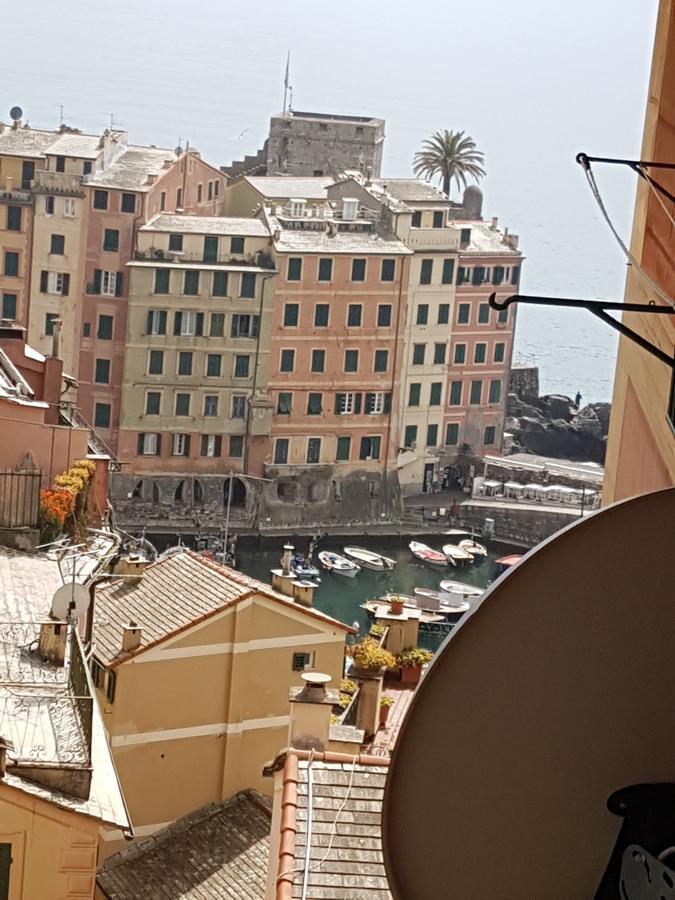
[
  {"x": 5, "y": 745},
  {"x": 494, "y": 223},
  {"x": 303, "y": 592},
  {"x": 53, "y": 642},
  {"x": 309, "y": 721},
  {"x": 131, "y": 637},
  {"x": 53, "y": 378},
  {"x": 56, "y": 340}
]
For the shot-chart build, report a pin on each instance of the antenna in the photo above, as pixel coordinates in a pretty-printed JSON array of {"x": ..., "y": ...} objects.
[
  {"x": 70, "y": 601},
  {"x": 60, "y": 106},
  {"x": 286, "y": 77},
  {"x": 16, "y": 113}
]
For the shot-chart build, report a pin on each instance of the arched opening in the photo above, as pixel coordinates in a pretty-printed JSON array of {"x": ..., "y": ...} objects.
[
  {"x": 238, "y": 487},
  {"x": 197, "y": 493},
  {"x": 155, "y": 493},
  {"x": 137, "y": 492},
  {"x": 286, "y": 491},
  {"x": 179, "y": 494}
]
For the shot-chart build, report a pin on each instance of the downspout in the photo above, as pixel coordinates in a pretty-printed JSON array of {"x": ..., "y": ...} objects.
[
  {"x": 393, "y": 382},
  {"x": 264, "y": 279}
]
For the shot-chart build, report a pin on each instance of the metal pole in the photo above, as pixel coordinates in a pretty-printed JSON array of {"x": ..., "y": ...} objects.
[
  {"x": 583, "y": 498},
  {"x": 227, "y": 514}
]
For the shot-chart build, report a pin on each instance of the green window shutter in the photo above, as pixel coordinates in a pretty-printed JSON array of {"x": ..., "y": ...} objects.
[
  {"x": 357, "y": 404},
  {"x": 387, "y": 402},
  {"x": 97, "y": 281},
  {"x": 339, "y": 403},
  {"x": 119, "y": 284}
]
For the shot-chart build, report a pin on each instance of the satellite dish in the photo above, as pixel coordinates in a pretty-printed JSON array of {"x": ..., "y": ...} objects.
[
  {"x": 15, "y": 113},
  {"x": 70, "y": 600}
]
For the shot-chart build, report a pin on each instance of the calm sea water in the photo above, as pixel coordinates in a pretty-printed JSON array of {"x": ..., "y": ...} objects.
[{"x": 533, "y": 83}]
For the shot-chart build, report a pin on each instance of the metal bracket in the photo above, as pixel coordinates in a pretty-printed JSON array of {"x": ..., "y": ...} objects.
[
  {"x": 599, "y": 308},
  {"x": 637, "y": 165}
]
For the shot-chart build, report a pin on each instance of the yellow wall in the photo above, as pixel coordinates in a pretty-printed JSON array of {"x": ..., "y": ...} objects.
[{"x": 54, "y": 851}]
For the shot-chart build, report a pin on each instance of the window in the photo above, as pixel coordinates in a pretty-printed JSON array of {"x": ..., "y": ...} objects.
[
  {"x": 111, "y": 239},
  {"x": 175, "y": 243},
  {"x": 439, "y": 354},
  {"x": 162, "y": 281},
  {"x": 11, "y": 263},
  {"x": 217, "y": 325},
  {"x": 14, "y": 218},
  {"x": 100, "y": 199},
  {"x": 483, "y": 314},
  {"x": 128, "y": 204},
  {"x": 370, "y": 448},
  {"x": 216, "y": 187},
  {"x": 212, "y": 445},
  {"x": 287, "y": 361},
  {"x": 294, "y": 271},
  {"x": 448, "y": 271},
  {"x": 321, "y": 315},
  {"x": 86, "y": 329},
  {"x": 347, "y": 404},
  {"x": 156, "y": 321},
  {"x": 497, "y": 274},
  {"x": 381, "y": 361},
  {"x": 200, "y": 193},
  {"x": 281, "y": 451},
  {"x": 179, "y": 198},
  {"x": 358, "y": 270},
  {"x": 102, "y": 415},
  {"x": 284, "y": 403},
  {"x": 50, "y": 318},
  {"x": 460, "y": 354},
  {"x": 55, "y": 283},
  {"x": 102, "y": 371},
  {"x": 438, "y": 218},
  {"x": 219, "y": 284},
  {"x": 388, "y": 270},
  {"x": 241, "y": 366},
  {"x": 455, "y": 393},
  {"x": 418, "y": 354},
  {"x": 69, "y": 207},
  {"x": 452, "y": 434},
  {"x": 325, "y": 272},
  {"x": 414, "y": 393},
  {"x": 9, "y": 306},
  {"x": 210, "y": 251},
  {"x": 426, "y": 271},
  {"x": 465, "y": 236},
  {"x": 478, "y": 275},
  {"x": 377, "y": 403},
  {"x": 213, "y": 365},
  {"x": 499, "y": 352},
  {"x": 489, "y": 435},
  {"x": 435, "y": 393},
  {"x": 156, "y": 362},
  {"x": 475, "y": 393},
  {"x": 188, "y": 324},
  {"x": 291, "y": 315},
  {"x": 351, "y": 360},
  {"x": 236, "y": 245},
  {"x": 86, "y": 170},
  {"x": 191, "y": 283},
  {"x": 384, "y": 316},
  {"x": 343, "y": 449},
  {"x": 209, "y": 192},
  {"x": 180, "y": 446},
  {"x": 60, "y": 164},
  {"x": 318, "y": 360},
  {"x": 422, "y": 314},
  {"x": 185, "y": 363},
  {"x": 503, "y": 316},
  {"x": 49, "y": 205},
  {"x": 313, "y": 450},
  {"x": 479, "y": 353},
  {"x": 104, "y": 331},
  {"x": 443, "y": 313},
  {"x": 247, "y": 285},
  {"x": 244, "y": 325},
  {"x": 153, "y": 403},
  {"x": 354, "y": 315},
  {"x": 410, "y": 436},
  {"x": 463, "y": 313},
  {"x": 416, "y": 219},
  {"x": 236, "y": 446},
  {"x": 515, "y": 274},
  {"x": 183, "y": 404},
  {"x": 210, "y": 404},
  {"x": 314, "y": 404},
  {"x": 149, "y": 444},
  {"x": 495, "y": 391},
  {"x": 302, "y": 661},
  {"x": 109, "y": 283},
  {"x": 432, "y": 435},
  {"x": 239, "y": 406}
]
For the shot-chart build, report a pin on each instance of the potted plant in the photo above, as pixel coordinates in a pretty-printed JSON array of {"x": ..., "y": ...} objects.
[
  {"x": 370, "y": 657},
  {"x": 396, "y": 604},
  {"x": 376, "y": 630},
  {"x": 385, "y": 706},
  {"x": 410, "y": 661}
]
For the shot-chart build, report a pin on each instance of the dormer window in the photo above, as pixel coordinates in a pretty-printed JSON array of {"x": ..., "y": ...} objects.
[
  {"x": 298, "y": 208},
  {"x": 350, "y": 208}
]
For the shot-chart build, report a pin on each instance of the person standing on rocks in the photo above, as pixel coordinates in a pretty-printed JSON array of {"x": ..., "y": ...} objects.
[{"x": 577, "y": 400}]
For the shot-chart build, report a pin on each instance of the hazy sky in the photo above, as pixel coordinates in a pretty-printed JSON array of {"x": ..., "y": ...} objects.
[{"x": 533, "y": 83}]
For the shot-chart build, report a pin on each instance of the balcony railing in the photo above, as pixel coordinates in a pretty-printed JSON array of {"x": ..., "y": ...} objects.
[
  {"x": 258, "y": 260},
  {"x": 434, "y": 239},
  {"x": 47, "y": 182},
  {"x": 14, "y": 195}
]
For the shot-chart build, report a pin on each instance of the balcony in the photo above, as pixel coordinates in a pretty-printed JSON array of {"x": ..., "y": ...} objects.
[
  {"x": 13, "y": 195},
  {"x": 434, "y": 238},
  {"x": 46, "y": 182},
  {"x": 259, "y": 260}
]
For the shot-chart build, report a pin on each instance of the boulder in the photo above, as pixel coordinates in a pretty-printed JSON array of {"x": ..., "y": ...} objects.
[
  {"x": 557, "y": 406},
  {"x": 603, "y": 412},
  {"x": 587, "y": 421}
]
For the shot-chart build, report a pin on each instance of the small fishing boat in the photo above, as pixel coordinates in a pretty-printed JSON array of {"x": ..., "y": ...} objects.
[
  {"x": 456, "y": 555},
  {"x": 379, "y": 608},
  {"x": 506, "y": 562},
  {"x": 340, "y": 565},
  {"x": 458, "y": 587},
  {"x": 426, "y": 554},
  {"x": 303, "y": 568},
  {"x": 477, "y": 551},
  {"x": 369, "y": 559}
]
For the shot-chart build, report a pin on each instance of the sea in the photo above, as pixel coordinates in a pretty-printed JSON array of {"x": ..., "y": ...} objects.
[{"x": 534, "y": 84}]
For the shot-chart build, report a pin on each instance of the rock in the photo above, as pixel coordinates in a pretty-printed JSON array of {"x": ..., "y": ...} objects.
[
  {"x": 587, "y": 421},
  {"x": 557, "y": 406},
  {"x": 603, "y": 412}
]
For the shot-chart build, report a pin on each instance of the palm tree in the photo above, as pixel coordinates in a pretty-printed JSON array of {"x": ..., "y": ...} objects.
[{"x": 450, "y": 155}]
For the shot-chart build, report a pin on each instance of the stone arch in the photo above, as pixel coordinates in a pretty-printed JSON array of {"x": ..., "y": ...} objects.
[
  {"x": 179, "y": 493},
  {"x": 197, "y": 493},
  {"x": 156, "y": 494},
  {"x": 137, "y": 493},
  {"x": 239, "y": 491}
]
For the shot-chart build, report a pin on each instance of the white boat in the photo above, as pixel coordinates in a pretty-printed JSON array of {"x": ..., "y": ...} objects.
[
  {"x": 478, "y": 551},
  {"x": 303, "y": 568},
  {"x": 457, "y": 555},
  {"x": 458, "y": 587},
  {"x": 427, "y": 554},
  {"x": 370, "y": 560},
  {"x": 380, "y": 608},
  {"x": 338, "y": 564}
]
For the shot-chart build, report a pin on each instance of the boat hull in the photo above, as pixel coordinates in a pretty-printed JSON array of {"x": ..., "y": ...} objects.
[
  {"x": 427, "y": 555},
  {"x": 338, "y": 565},
  {"x": 369, "y": 560}
]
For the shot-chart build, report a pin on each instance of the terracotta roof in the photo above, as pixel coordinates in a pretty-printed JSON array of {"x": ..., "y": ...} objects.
[
  {"x": 174, "y": 594},
  {"x": 221, "y": 850},
  {"x": 346, "y": 861}
]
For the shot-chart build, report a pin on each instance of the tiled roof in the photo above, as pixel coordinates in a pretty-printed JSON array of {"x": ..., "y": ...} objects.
[
  {"x": 411, "y": 190},
  {"x": 27, "y": 585},
  {"x": 219, "y": 851},
  {"x": 84, "y": 146},
  {"x": 345, "y": 856},
  {"x": 131, "y": 169},
  {"x": 28, "y": 142},
  {"x": 207, "y": 225},
  {"x": 174, "y": 594},
  {"x": 280, "y": 187}
]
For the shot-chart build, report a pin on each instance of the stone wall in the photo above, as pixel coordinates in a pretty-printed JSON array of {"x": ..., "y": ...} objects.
[
  {"x": 524, "y": 381},
  {"x": 300, "y": 146},
  {"x": 526, "y": 527}
]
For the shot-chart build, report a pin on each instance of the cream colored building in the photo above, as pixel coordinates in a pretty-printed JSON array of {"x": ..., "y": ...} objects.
[
  {"x": 245, "y": 196},
  {"x": 195, "y": 691}
]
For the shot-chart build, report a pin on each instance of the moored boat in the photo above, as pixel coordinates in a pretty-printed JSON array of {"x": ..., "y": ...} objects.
[
  {"x": 303, "y": 568},
  {"x": 456, "y": 555},
  {"x": 427, "y": 554},
  {"x": 506, "y": 562},
  {"x": 477, "y": 551},
  {"x": 340, "y": 565},
  {"x": 458, "y": 587},
  {"x": 376, "y": 608},
  {"x": 369, "y": 559}
]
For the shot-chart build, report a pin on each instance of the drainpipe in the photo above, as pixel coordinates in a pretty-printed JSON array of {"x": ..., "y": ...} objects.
[
  {"x": 394, "y": 367},
  {"x": 264, "y": 279}
]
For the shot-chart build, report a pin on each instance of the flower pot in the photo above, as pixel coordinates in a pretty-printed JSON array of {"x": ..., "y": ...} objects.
[
  {"x": 384, "y": 714},
  {"x": 396, "y": 607},
  {"x": 410, "y": 674}
]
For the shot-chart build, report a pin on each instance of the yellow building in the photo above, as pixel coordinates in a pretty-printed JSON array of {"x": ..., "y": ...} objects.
[
  {"x": 194, "y": 662},
  {"x": 245, "y": 196},
  {"x": 641, "y": 442}
]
